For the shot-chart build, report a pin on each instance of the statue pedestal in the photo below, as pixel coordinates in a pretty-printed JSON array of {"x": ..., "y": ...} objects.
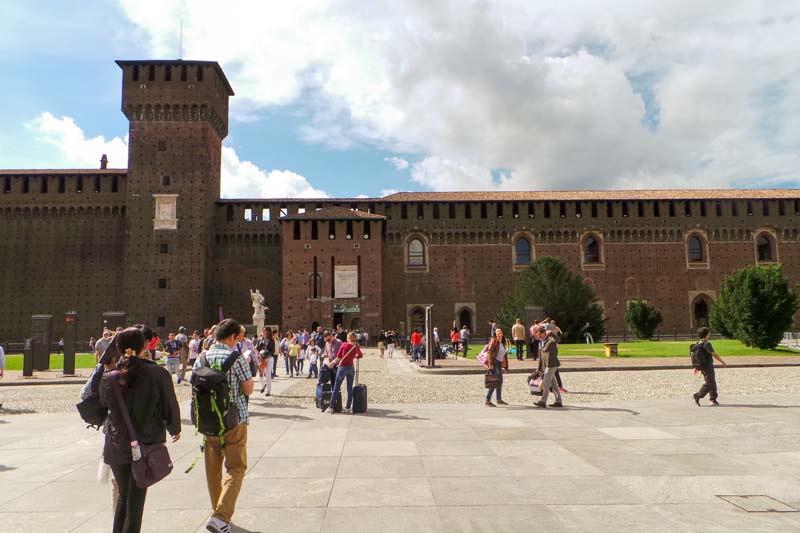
[{"x": 258, "y": 322}]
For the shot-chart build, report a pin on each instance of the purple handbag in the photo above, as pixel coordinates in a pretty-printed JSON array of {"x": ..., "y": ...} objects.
[{"x": 154, "y": 463}]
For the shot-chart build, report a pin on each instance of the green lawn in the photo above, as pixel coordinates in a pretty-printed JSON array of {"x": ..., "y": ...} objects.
[
  {"x": 83, "y": 360},
  {"x": 724, "y": 347}
]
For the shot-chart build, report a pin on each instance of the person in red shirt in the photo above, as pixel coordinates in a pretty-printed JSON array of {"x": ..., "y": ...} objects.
[
  {"x": 348, "y": 353},
  {"x": 416, "y": 345},
  {"x": 455, "y": 338},
  {"x": 153, "y": 347}
]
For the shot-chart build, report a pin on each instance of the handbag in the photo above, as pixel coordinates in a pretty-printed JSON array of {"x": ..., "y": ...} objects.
[
  {"x": 154, "y": 463},
  {"x": 491, "y": 380}
]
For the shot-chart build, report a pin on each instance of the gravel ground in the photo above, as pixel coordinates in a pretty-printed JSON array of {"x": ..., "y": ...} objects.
[{"x": 385, "y": 387}]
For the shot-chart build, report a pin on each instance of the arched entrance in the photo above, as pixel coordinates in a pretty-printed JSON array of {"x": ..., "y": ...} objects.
[
  {"x": 465, "y": 319},
  {"x": 416, "y": 319},
  {"x": 700, "y": 309}
]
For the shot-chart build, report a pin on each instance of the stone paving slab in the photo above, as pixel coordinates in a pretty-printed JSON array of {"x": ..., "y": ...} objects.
[{"x": 639, "y": 465}]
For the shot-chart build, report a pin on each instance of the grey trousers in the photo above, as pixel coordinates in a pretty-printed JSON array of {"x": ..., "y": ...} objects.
[{"x": 549, "y": 384}]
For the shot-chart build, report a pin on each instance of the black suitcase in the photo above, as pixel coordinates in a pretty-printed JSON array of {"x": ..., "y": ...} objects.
[
  {"x": 359, "y": 395},
  {"x": 323, "y": 397}
]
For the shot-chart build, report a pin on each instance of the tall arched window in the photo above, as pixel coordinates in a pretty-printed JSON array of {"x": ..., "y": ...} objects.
[
  {"x": 764, "y": 248},
  {"x": 591, "y": 250},
  {"x": 416, "y": 253},
  {"x": 315, "y": 286},
  {"x": 695, "y": 250},
  {"x": 522, "y": 252}
]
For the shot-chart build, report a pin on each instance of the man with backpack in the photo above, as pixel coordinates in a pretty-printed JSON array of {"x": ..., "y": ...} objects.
[
  {"x": 227, "y": 416},
  {"x": 702, "y": 353}
]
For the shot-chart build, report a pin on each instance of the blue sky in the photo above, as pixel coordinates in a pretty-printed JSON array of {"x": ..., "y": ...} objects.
[{"x": 347, "y": 98}]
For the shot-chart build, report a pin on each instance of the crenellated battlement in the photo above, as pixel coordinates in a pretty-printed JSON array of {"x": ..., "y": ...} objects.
[{"x": 49, "y": 186}]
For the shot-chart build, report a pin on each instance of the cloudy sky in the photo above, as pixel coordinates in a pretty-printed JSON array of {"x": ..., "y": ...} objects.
[{"x": 352, "y": 98}]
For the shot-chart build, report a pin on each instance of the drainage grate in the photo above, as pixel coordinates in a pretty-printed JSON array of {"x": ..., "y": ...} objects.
[{"x": 758, "y": 503}]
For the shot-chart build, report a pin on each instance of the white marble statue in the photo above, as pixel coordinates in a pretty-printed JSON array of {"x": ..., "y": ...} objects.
[{"x": 257, "y": 299}]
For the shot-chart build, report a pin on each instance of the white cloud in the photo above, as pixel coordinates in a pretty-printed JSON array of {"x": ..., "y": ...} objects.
[
  {"x": 74, "y": 148},
  {"x": 398, "y": 162},
  {"x": 389, "y": 192},
  {"x": 240, "y": 179},
  {"x": 243, "y": 179},
  {"x": 603, "y": 94}
]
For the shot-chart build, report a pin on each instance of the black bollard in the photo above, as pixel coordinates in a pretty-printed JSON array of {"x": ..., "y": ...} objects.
[{"x": 70, "y": 327}]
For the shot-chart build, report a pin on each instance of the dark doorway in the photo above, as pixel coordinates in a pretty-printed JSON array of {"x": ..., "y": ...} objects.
[
  {"x": 700, "y": 313},
  {"x": 338, "y": 318},
  {"x": 355, "y": 323},
  {"x": 417, "y": 319},
  {"x": 465, "y": 319},
  {"x": 314, "y": 325}
]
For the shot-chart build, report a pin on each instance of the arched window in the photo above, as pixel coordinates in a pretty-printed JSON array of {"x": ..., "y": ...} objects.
[
  {"x": 315, "y": 286},
  {"x": 416, "y": 253},
  {"x": 764, "y": 248},
  {"x": 522, "y": 252},
  {"x": 695, "y": 250},
  {"x": 591, "y": 250}
]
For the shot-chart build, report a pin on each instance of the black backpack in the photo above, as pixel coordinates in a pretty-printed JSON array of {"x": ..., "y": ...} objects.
[
  {"x": 212, "y": 412},
  {"x": 90, "y": 409},
  {"x": 699, "y": 354}
]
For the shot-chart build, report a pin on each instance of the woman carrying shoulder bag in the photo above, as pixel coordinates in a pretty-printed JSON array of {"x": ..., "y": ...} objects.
[
  {"x": 497, "y": 362},
  {"x": 149, "y": 398}
]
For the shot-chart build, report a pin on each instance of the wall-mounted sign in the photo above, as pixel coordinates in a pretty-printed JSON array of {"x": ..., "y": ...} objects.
[
  {"x": 347, "y": 308},
  {"x": 346, "y": 281}
]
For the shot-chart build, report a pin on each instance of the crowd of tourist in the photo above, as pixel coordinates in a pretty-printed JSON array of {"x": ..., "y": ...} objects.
[{"x": 140, "y": 404}]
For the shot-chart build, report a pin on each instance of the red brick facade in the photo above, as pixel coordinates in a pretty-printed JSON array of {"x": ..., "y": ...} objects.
[{"x": 86, "y": 240}]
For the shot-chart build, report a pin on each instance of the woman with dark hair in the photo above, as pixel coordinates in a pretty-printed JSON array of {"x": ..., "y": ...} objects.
[
  {"x": 149, "y": 398},
  {"x": 497, "y": 363},
  {"x": 266, "y": 351}
]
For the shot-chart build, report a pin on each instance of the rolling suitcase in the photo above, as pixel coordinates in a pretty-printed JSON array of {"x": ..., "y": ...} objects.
[{"x": 359, "y": 395}]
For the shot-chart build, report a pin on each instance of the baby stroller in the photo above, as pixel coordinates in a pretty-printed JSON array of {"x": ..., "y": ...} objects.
[
  {"x": 535, "y": 383},
  {"x": 325, "y": 391}
]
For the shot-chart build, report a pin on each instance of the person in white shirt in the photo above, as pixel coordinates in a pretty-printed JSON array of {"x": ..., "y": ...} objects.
[
  {"x": 2, "y": 361},
  {"x": 312, "y": 353}
]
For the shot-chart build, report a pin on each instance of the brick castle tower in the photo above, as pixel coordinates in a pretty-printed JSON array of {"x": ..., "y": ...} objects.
[{"x": 178, "y": 113}]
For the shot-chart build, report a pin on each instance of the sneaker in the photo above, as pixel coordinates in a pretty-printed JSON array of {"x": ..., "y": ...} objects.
[
  {"x": 488, "y": 403},
  {"x": 556, "y": 404},
  {"x": 348, "y": 411},
  {"x": 541, "y": 404},
  {"x": 501, "y": 402},
  {"x": 215, "y": 525},
  {"x": 329, "y": 410},
  {"x": 696, "y": 399},
  {"x": 562, "y": 389},
  {"x": 714, "y": 402},
  {"x": 178, "y": 382},
  {"x": 266, "y": 394}
]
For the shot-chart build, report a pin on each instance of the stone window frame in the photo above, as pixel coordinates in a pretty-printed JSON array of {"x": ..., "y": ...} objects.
[
  {"x": 703, "y": 264},
  {"x": 598, "y": 237},
  {"x": 516, "y": 267},
  {"x": 425, "y": 267},
  {"x": 771, "y": 235}
]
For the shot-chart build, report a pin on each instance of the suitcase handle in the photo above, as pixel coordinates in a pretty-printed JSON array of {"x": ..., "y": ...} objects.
[{"x": 357, "y": 364}]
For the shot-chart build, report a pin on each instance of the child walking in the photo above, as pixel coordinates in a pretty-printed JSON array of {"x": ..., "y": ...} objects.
[{"x": 313, "y": 356}]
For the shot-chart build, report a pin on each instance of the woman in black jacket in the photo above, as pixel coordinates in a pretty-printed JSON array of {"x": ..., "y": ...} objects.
[{"x": 153, "y": 408}]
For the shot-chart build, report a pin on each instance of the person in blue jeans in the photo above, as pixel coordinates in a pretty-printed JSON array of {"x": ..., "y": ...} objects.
[
  {"x": 497, "y": 362},
  {"x": 345, "y": 357}
]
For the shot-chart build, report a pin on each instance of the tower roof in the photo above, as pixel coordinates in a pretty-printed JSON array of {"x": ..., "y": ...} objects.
[{"x": 179, "y": 62}]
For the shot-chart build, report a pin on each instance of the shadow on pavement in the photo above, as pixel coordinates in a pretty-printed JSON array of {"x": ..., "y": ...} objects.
[
  {"x": 389, "y": 413},
  {"x": 7, "y": 411}
]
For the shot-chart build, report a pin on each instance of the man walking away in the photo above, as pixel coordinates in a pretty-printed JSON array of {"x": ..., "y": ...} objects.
[
  {"x": 223, "y": 493},
  {"x": 464, "y": 334},
  {"x": 704, "y": 352},
  {"x": 518, "y": 334},
  {"x": 184, "y": 359}
]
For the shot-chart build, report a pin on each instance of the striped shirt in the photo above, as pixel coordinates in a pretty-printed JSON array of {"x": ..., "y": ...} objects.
[{"x": 239, "y": 373}]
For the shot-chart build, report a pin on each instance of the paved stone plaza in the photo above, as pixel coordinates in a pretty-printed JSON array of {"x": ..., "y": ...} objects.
[{"x": 636, "y": 465}]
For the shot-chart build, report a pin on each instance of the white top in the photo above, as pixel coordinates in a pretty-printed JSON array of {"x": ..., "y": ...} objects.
[
  {"x": 501, "y": 353},
  {"x": 2, "y": 358},
  {"x": 313, "y": 354}
]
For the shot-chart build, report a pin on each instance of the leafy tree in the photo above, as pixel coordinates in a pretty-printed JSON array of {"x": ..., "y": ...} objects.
[
  {"x": 550, "y": 284},
  {"x": 643, "y": 318},
  {"x": 755, "y": 305}
]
